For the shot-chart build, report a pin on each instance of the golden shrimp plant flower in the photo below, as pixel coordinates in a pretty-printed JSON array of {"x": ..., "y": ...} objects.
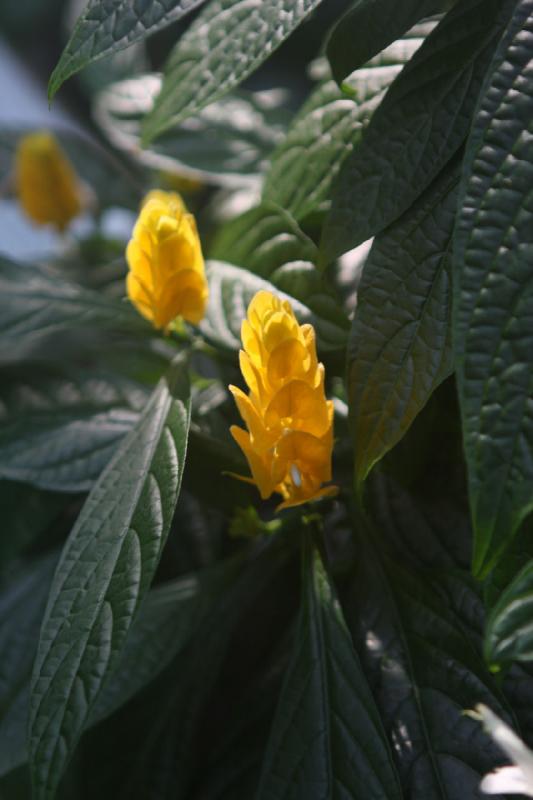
[
  {"x": 166, "y": 276},
  {"x": 47, "y": 186},
  {"x": 289, "y": 437}
]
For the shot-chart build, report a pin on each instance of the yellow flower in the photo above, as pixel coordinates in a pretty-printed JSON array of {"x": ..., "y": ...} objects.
[
  {"x": 167, "y": 276},
  {"x": 47, "y": 186},
  {"x": 289, "y": 439}
]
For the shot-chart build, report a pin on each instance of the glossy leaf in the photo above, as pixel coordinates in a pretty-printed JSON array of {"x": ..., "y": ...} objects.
[
  {"x": 226, "y": 42},
  {"x": 105, "y": 569},
  {"x": 60, "y": 427},
  {"x": 36, "y": 301},
  {"x": 231, "y": 290},
  {"x": 422, "y": 661},
  {"x": 493, "y": 304},
  {"x": 326, "y": 739},
  {"x": 420, "y": 125},
  {"x": 226, "y": 143},
  {"x": 322, "y": 135},
  {"x": 21, "y": 611},
  {"x": 367, "y": 28},
  {"x": 509, "y": 634},
  {"x": 400, "y": 344},
  {"x": 106, "y": 27}
]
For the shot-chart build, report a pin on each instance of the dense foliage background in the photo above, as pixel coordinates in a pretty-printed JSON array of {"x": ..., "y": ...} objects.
[{"x": 377, "y": 169}]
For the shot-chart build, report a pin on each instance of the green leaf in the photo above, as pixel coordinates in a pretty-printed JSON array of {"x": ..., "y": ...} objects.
[
  {"x": 400, "y": 346},
  {"x": 37, "y": 301},
  {"x": 60, "y": 427},
  {"x": 420, "y": 654},
  {"x": 230, "y": 292},
  {"x": 509, "y": 634},
  {"x": 226, "y": 42},
  {"x": 262, "y": 240},
  {"x": 107, "y": 177},
  {"x": 21, "y": 611},
  {"x": 326, "y": 739},
  {"x": 105, "y": 570},
  {"x": 226, "y": 143},
  {"x": 420, "y": 125},
  {"x": 104, "y": 28},
  {"x": 493, "y": 297},
  {"x": 361, "y": 33},
  {"x": 324, "y": 132}
]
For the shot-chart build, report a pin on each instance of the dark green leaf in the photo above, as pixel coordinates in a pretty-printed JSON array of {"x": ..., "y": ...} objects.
[
  {"x": 21, "y": 611},
  {"x": 367, "y": 28},
  {"x": 322, "y": 135},
  {"x": 231, "y": 290},
  {"x": 326, "y": 739},
  {"x": 509, "y": 634},
  {"x": 493, "y": 297},
  {"x": 420, "y": 125},
  {"x": 36, "y": 301},
  {"x": 226, "y": 42},
  {"x": 421, "y": 658},
  {"x": 227, "y": 143},
  {"x": 60, "y": 427},
  {"x": 106, "y": 27},
  {"x": 106, "y": 568},
  {"x": 400, "y": 348}
]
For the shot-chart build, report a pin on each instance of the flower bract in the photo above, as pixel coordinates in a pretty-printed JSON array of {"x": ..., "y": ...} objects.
[
  {"x": 46, "y": 184},
  {"x": 167, "y": 275},
  {"x": 288, "y": 439}
]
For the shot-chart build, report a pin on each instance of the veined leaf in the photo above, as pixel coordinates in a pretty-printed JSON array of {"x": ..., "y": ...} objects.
[
  {"x": 60, "y": 427},
  {"x": 36, "y": 301},
  {"x": 231, "y": 290},
  {"x": 107, "y": 26},
  {"x": 400, "y": 344},
  {"x": 226, "y": 143},
  {"x": 419, "y": 127},
  {"x": 493, "y": 297},
  {"x": 326, "y": 739},
  {"x": 362, "y": 32},
  {"x": 509, "y": 634},
  {"x": 227, "y": 41},
  {"x": 322, "y": 135},
  {"x": 105, "y": 570},
  {"x": 420, "y": 657},
  {"x": 21, "y": 611}
]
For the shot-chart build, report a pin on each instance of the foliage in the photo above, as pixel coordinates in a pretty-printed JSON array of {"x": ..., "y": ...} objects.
[{"x": 168, "y": 634}]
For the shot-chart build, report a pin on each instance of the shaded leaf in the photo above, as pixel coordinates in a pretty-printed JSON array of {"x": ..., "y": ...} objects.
[
  {"x": 226, "y": 42},
  {"x": 231, "y": 290},
  {"x": 105, "y": 569},
  {"x": 60, "y": 427},
  {"x": 107, "y": 27},
  {"x": 420, "y": 125},
  {"x": 227, "y": 143},
  {"x": 400, "y": 347},
  {"x": 509, "y": 634},
  {"x": 326, "y": 739},
  {"x": 361, "y": 33},
  {"x": 493, "y": 297},
  {"x": 21, "y": 611},
  {"x": 36, "y": 301}
]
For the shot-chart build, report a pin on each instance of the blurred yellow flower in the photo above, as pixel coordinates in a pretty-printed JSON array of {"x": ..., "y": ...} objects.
[
  {"x": 289, "y": 440},
  {"x": 167, "y": 275},
  {"x": 47, "y": 186}
]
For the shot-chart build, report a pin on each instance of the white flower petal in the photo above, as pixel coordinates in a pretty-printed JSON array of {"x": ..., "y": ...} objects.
[{"x": 510, "y": 743}]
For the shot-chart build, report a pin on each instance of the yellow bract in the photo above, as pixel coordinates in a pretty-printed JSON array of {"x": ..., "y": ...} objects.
[
  {"x": 289, "y": 436},
  {"x": 167, "y": 275},
  {"x": 46, "y": 184}
]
